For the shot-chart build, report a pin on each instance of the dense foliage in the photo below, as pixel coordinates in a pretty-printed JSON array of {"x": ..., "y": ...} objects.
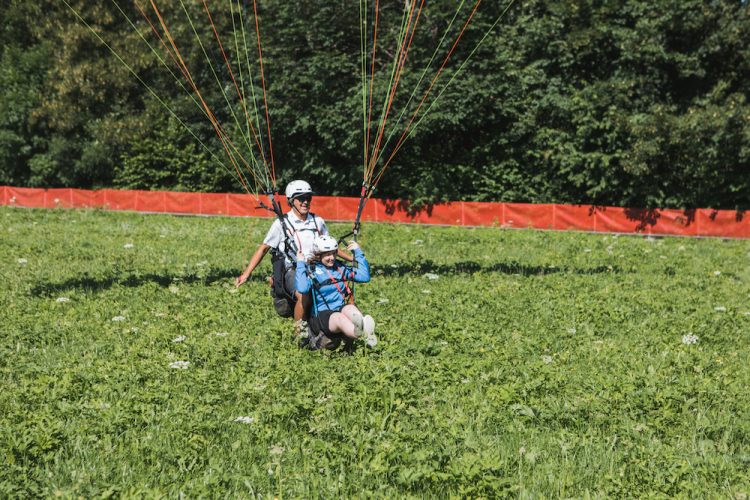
[
  {"x": 567, "y": 366},
  {"x": 641, "y": 103}
]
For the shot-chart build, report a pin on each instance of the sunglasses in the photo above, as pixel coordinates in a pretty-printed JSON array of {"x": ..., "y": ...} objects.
[{"x": 304, "y": 198}]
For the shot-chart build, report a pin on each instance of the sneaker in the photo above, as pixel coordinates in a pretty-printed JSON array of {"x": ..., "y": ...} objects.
[
  {"x": 369, "y": 327},
  {"x": 359, "y": 326},
  {"x": 368, "y": 324}
]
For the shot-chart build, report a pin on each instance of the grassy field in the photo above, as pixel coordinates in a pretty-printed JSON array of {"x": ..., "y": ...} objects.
[{"x": 511, "y": 362}]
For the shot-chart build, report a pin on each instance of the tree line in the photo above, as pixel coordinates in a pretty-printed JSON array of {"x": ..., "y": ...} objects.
[{"x": 628, "y": 102}]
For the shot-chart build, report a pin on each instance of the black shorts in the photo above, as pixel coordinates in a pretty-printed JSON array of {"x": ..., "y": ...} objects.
[
  {"x": 320, "y": 323},
  {"x": 322, "y": 337}
]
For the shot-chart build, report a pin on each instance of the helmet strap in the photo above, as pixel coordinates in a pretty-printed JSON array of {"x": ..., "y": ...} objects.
[{"x": 296, "y": 212}]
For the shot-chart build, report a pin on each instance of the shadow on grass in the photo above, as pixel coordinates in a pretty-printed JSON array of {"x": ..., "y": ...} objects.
[
  {"x": 133, "y": 280},
  {"x": 470, "y": 267},
  {"x": 97, "y": 284}
]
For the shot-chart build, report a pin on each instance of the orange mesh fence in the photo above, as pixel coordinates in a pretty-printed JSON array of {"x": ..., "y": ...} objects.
[{"x": 698, "y": 222}]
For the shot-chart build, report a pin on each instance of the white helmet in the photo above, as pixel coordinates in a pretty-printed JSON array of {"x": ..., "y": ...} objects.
[
  {"x": 297, "y": 188},
  {"x": 325, "y": 243}
]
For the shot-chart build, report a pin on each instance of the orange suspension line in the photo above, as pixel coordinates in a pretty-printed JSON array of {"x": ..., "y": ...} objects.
[
  {"x": 401, "y": 140},
  {"x": 265, "y": 98},
  {"x": 405, "y": 46},
  {"x": 211, "y": 116},
  {"x": 239, "y": 93},
  {"x": 372, "y": 78}
]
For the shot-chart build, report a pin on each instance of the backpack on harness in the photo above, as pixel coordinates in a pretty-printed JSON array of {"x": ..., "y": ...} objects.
[{"x": 283, "y": 297}]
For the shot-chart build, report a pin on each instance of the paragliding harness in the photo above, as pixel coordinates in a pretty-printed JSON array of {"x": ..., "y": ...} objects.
[
  {"x": 346, "y": 293},
  {"x": 284, "y": 297},
  {"x": 318, "y": 339}
]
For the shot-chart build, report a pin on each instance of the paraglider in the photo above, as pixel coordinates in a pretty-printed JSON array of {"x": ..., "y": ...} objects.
[{"x": 245, "y": 135}]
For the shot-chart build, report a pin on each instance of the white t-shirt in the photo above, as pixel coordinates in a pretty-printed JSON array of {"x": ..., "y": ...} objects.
[{"x": 303, "y": 232}]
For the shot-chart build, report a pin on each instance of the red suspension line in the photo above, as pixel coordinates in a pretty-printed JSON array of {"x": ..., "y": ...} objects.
[
  {"x": 401, "y": 140},
  {"x": 403, "y": 53},
  {"x": 372, "y": 78},
  {"x": 209, "y": 114},
  {"x": 265, "y": 98},
  {"x": 234, "y": 81},
  {"x": 212, "y": 118}
]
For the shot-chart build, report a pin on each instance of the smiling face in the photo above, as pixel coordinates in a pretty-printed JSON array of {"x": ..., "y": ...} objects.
[
  {"x": 328, "y": 258},
  {"x": 301, "y": 205}
]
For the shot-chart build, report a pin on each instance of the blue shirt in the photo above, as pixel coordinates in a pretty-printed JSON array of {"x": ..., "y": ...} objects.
[{"x": 328, "y": 284}]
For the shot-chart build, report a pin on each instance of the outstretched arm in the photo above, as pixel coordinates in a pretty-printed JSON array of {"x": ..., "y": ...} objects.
[{"x": 254, "y": 261}]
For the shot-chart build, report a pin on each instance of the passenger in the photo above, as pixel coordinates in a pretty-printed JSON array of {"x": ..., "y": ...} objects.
[
  {"x": 333, "y": 320},
  {"x": 303, "y": 227}
]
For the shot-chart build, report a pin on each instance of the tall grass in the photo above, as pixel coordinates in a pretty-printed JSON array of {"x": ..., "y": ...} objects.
[{"x": 510, "y": 363}]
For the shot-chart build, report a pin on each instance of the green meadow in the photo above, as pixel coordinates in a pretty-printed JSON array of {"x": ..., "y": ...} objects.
[{"x": 510, "y": 363}]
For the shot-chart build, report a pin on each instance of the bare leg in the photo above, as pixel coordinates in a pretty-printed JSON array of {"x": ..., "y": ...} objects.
[
  {"x": 302, "y": 306},
  {"x": 339, "y": 323},
  {"x": 350, "y": 310}
]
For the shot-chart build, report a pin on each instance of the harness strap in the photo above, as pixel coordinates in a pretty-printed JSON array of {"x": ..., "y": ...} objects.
[
  {"x": 296, "y": 233},
  {"x": 342, "y": 280}
]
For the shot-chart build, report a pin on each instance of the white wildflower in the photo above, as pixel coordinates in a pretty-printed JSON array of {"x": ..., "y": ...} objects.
[
  {"x": 417, "y": 242},
  {"x": 382, "y": 300},
  {"x": 426, "y": 292},
  {"x": 179, "y": 365},
  {"x": 276, "y": 450},
  {"x": 178, "y": 339},
  {"x": 746, "y": 313},
  {"x": 717, "y": 273},
  {"x": 135, "y": 329},
  {"x": 681, "y": 248},
  {"x": 221, "y": 334},
  {"x": 160, "y": 314},
  {"x": 394, "y": 266},
  {"x": 234, "y": 289},
  {"x": 572, "y": 330},
  {"x": 720, "y": 309},
  {"x": 174, "y": 289},
  {"x": 128, "y": 245},
  {"x": 587, "y": 250},
  {"x": 610, "y": 248},
  {"x": 270, "y": 471},
  {"x": 663, "y": 257},
  {"x": 323, "y": 399},
  {"x": 245, "y": 420},
  {"x": 62, "y": 300},
  {"x": 431, "y": 276},
  {"x": 547, "y": 359},
  {"x": 22, "y": 261},
  {"x": 118, "y": 318},
  {"x": 443, "y": 342},
  {"x": 689, "y": 339},
  {"x": 202, "y": 263},
  {"x": 465, "y": 381}
]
